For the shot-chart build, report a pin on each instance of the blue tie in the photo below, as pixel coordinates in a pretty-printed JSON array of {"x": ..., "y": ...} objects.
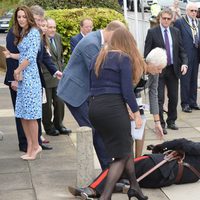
[{"x": 167, "y": 46}]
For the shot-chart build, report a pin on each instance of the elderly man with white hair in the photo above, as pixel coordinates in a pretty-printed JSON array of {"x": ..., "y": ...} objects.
[{"x": 190, "y": 28}]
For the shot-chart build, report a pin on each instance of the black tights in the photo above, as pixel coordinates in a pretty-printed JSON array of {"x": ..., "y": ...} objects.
[{"x": 115, "y": 171}]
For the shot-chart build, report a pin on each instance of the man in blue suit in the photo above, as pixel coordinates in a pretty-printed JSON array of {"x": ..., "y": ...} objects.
[
  {"x": 74, "y": 86},
  {"x": 190, "y": 31},
  {"x": 86, "y": 26}
]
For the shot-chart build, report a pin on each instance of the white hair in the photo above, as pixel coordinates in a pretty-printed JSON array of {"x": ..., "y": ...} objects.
[
  {"x": 191, "y": 4},
  {"x": 157, "y": 57}
]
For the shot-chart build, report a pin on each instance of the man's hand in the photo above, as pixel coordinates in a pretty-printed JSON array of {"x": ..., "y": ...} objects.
[
  {"x": 14, "y": 85},
  {"x": 58, "y": 75},
  {"x": 184, "y": 69},
  {"x": 7, "y": 53}
]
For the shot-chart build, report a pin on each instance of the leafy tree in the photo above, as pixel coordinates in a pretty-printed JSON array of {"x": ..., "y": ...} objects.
[{"x": 61, "y": 4}]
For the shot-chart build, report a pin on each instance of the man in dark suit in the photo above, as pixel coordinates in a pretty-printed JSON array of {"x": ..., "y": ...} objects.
[
  {"x": 190, "y": 31},
  {"x": 86, "y": 26},
  {"x": 74, "y": 86},
  {"x": 168, "y": 38},
  {"x": 53, "y": 127}
]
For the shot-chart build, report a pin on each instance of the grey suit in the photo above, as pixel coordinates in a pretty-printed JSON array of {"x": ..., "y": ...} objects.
[
  {"x": 51, "y": 87},
  {"x": 152, "y": 85},
  {"x": 74, "y": 86}
]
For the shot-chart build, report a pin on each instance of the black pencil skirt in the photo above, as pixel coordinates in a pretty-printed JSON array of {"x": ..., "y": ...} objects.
[{"x": 109, "y": 116}]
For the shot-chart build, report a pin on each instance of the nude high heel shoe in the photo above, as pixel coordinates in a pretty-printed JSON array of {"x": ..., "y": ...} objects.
[{"x": 34, "y": 155}]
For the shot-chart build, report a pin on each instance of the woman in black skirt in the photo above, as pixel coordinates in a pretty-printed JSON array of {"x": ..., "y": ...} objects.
[{"x": 117, "y": 67}]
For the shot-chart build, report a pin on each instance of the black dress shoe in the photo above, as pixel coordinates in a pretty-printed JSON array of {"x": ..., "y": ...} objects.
[
  {"x": 196, "y": 107},
  {"x": 164, "y": 131},
  {"x": 53, "y": 132},
  {"x": 87, "y": 191},
  {"x": 46, "y": 147},
  {"x": 186, "y": 109},
  {"x": 64, "y": 131},
  {"x": 172, "y": 126}
]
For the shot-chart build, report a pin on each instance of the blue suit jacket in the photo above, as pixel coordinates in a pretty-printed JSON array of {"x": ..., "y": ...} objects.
[
  {"x": 74, "y": 86},
  {"x": 12, "y": 64},
  {"x": 187, "y": 38},
  {"x": 75, "y": 40}
]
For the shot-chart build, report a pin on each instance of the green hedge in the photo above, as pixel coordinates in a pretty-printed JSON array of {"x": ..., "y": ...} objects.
[
  {"x": 68, "y": 21},
  {"x": 63, "y": 4}
]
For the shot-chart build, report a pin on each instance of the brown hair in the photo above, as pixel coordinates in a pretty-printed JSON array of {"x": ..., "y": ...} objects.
[
  {"x": 123, "y": 41},
  {"x": 17, "y": 30},
  {"x": 113, "y": 25},
  {"x": 45, "y": 37},
  {"x": 83, "y": 20},
  {"x": 37, "y": 10},
  {"x": 166, "y": 11}
]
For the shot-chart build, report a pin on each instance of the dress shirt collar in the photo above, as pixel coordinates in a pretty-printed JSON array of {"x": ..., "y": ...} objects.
[
  {"x": 190, "y": 21},
  {"x": 82, "y": 34},
  {"x": 163, "y": 28},
  {"x": 102, "y": 38}
]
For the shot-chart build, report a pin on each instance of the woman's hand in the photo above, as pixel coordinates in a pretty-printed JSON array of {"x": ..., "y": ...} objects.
[
  {"x": 138, "y": 120},
  {"x": 159, "y": 130}
]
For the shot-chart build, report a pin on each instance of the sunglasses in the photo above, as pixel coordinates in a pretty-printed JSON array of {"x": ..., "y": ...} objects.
[
  {"x": 166, "y": 18},
  {"x": 193, "y": 10}
]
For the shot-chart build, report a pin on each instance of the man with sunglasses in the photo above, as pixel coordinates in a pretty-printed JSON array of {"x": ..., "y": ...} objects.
[
  {"x": 169, "y": 38},
  {"x": 190, "y": 28}
]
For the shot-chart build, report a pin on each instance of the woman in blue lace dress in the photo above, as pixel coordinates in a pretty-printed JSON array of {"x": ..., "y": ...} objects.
[{"x": 29, "y": 92}]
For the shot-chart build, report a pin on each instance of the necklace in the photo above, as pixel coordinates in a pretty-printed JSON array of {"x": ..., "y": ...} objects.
[{"x": 193, "y": 28}]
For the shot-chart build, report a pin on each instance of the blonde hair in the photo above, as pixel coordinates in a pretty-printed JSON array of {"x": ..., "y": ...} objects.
[{"x": 123, "y": 41}]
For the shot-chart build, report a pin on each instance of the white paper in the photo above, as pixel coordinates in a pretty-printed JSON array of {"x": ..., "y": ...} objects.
[
  {"x": 137, "y": 134},
  {"x": 44, "y": 97}
]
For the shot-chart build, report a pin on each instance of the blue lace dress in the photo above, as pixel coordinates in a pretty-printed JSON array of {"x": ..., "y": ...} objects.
[{"x": 29, "y": 92}]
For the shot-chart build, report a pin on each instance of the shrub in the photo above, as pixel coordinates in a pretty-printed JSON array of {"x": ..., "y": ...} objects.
[
  {"x": 68, "y": 21},
  {"x": 61, "y": 4}
]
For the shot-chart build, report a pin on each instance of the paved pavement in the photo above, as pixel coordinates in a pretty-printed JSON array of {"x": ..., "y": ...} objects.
[{"x": 47, "y": 178}]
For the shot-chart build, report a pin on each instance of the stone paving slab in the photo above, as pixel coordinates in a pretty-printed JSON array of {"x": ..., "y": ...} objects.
[
  {"x": 15, "y": 181},
  {"x": 47, "y": 178},
  {"x": 53, "y": 185},
  {"x": 13, "y": 165},
  {"x": 27, "y": 194},
  {"x": 186, "y": 191}
]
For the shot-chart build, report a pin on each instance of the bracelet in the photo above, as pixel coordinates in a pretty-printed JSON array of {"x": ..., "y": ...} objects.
[{"x": 157, "y": 122}]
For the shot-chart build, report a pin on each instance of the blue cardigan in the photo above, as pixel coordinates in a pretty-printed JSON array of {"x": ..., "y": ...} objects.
[{"x": 115, "y": 77}]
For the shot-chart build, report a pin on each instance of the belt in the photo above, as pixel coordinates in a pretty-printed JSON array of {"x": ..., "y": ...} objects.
[{"x": 181, "y": 166}]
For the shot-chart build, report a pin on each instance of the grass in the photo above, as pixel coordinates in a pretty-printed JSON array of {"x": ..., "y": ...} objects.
[{"x": 6, "y": 5}]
